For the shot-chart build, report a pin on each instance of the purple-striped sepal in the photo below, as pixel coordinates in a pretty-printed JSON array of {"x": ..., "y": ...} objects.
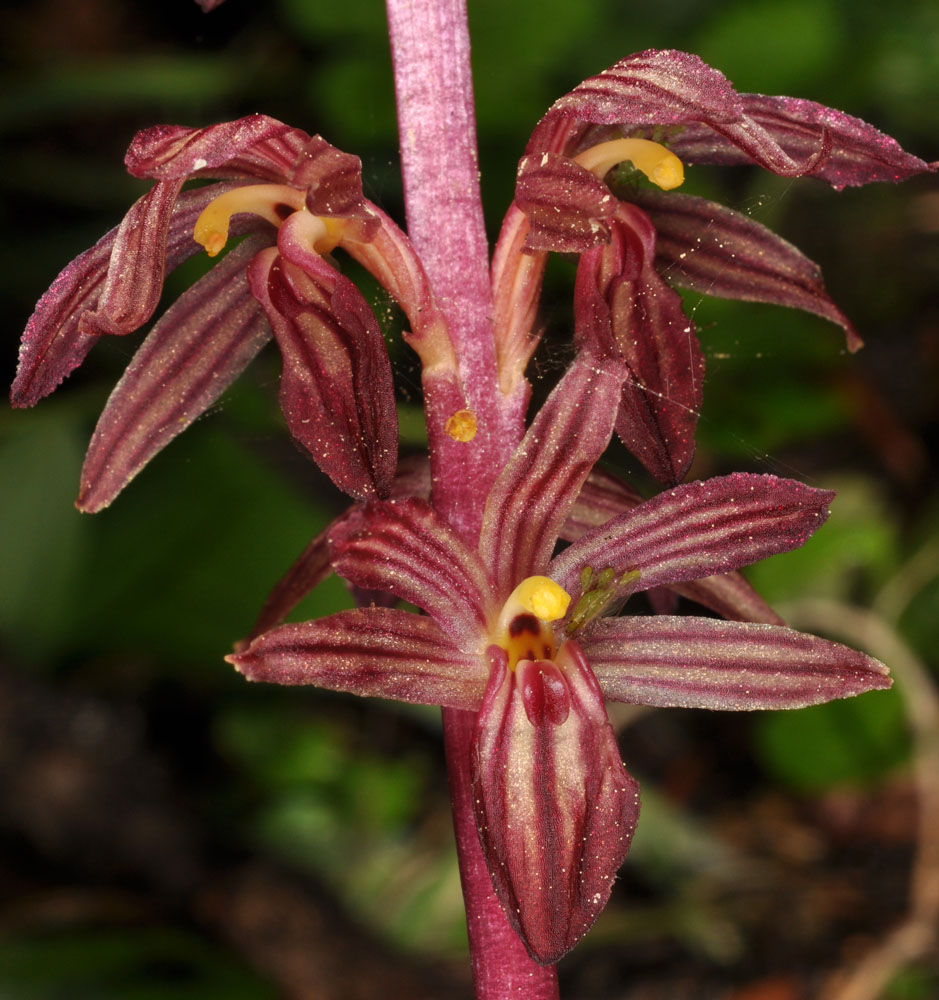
[{"x": 555, "y": 807}]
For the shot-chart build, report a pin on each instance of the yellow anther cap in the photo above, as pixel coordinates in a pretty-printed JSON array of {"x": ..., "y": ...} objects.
[{"x": 544, "y": 598}]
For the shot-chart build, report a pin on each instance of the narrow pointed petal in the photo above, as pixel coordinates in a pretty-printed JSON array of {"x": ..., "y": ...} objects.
[
  {"x": 567, "y": 206},
  {"x": 53, "y": 344},
  {"x": 775, "y": 130},
  {"x": 403, "y": 547},
  {"x": 255, "y": 147},
  {"x": 134, "y": 283},
  {"x": 714, "y": 250},
  {"x": 336, "y": 388},
  {"x": 541, "y": 481},
  {"x": 605, "y": 496},
  {"x": 197, "y": 349},
  {"x": 372, "y": 652},
  {"x": 654, "y": 87},
  {"x": 707, "y": 663},
  {"x": 698, "y": 529},
  {"x": 555, "y": 807},
  {"x": 623, "y": 309}
]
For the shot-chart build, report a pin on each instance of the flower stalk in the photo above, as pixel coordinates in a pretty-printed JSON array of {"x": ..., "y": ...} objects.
[{"x": 443, "y": 203}]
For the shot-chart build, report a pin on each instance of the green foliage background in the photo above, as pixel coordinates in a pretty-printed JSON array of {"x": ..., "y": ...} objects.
[{"x": 137, "y": 605}]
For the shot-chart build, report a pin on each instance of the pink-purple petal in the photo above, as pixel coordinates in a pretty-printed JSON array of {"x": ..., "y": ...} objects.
[
  {"x": 707, "y": 663},
  {"x": 731, "y": 596},
  {"x": 567, "y": 206},
  {"x": 623, "y": 309},
  {"x": 780, "y": 129},
  {"x": 372, "y": 652},
  {"x": 53, "y": 344},
  {"x": 714, "y": 250},
  {"x": 336, "y": 387},
  {"x": 541, "y": 481},
  {"x": 403, "y": 547},
  {"x": 605, "y": 496},
  {"x": 256, "y": 147},
  {"x": 197, "y": 349},
  {"x": 332, "y": 180},
  {"x": 555, "y": 808},
  {"x": 654, "y": 87},
  {"x": 134, "y": 281},
  {"x": 698, "y": 529}
]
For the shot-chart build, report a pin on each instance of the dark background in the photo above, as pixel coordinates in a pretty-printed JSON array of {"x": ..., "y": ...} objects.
[{"x": 167, "y": 830}]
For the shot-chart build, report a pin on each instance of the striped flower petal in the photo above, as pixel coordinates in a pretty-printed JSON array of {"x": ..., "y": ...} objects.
[
  {"x": 623, "y": 309},
  {"x": 53, "y": 344},
  {"x": 134, "y": 282},
  {"x": 567, "y": 205},
  {"x": 333, "y": 181},
  {"x": 707, "y": 663},
  {"x": 605, "y": 496},
  {"x": 373, "y": 652},
  {"x": 731, "y": 596},
  {"x": 793, "y": 127},
  {"x": 541, "y": 481},
  {"x": 712, "y": 249},
  {"x": 786, "y": 135},
  {"x": 654, "y": 87},
  {"x": 336, "y": 387},
  {"x": 555, "y": 808},
  {"x": 256, "y": 147},
  {"x": 698, "y": 529},
  {"x": 402, "y": 546},
  {"x": 198, "y": 348},
  {"x": 602, "y": 497}
]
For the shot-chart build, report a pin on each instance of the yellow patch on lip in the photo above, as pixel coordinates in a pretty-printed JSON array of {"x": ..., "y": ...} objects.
[{"x": 659, "y": 164}]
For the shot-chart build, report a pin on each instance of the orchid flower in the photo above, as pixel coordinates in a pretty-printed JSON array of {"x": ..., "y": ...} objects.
[
  {"x": 654, "y": 112},
  {"x": 522, "y": 635},
  {"x": 516, "y": 635},
  {"x": 297, "y": 198}
]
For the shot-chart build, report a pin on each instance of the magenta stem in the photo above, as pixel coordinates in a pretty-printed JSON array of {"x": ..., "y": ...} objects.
[{"x": 437, "y": 129}]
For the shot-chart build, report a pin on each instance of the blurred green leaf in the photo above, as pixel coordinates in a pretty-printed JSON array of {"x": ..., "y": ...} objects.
[
  {"x": 857, "y": 546},
  {"x": 132, "y": 963},
  {"x": 42, "y": 538},
  {"x": 855, "y": 740},
  {"x": 773, "y": 46},
  {"x": 167, "y": 80}
]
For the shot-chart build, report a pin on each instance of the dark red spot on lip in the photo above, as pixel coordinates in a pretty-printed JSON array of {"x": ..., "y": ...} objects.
[
  {"x": 524, "y": 623},
  {"x": 282, "y": 210}
]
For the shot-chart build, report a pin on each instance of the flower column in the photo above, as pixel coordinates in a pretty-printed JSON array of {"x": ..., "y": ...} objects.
[{"x": 433, "y": 83}]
